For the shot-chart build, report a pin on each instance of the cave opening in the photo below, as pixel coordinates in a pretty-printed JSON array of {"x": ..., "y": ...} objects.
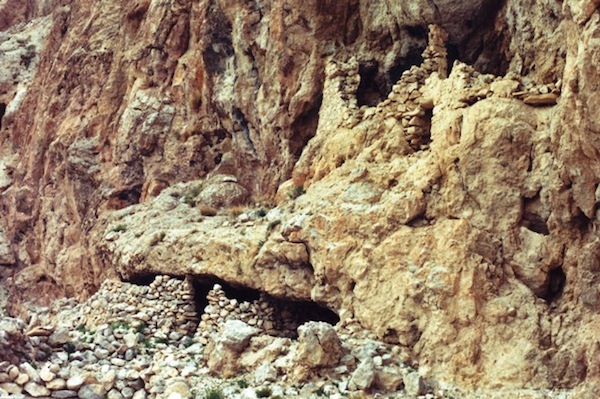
[
  {"x": 142, "y": 279},
  {"x": 130, "y": 196},
  {"x": 376, "y": 81},
  {"x": 2, "y": 112},
  {"x": 304, "y": 127},
  {"x": 277, "y": 316},
  {"x": 556, "y": 285},
  {"x": 203, "y": 285},
  {"x": 532, "y": 218},
  {"x": 484, "y": 46}
]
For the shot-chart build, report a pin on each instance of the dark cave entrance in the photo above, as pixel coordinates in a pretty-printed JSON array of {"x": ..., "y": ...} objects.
[
  {"x": 376, "y": 82},
  {"x": 281, "y": 317},
  {"x": 556, "y": 285},
  {"x": 284, "y": 315},
  {"x": 142, "y": 279},
  {"x": 2, "y": 112}
]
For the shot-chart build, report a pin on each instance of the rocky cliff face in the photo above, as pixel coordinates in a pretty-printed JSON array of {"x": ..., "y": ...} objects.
[{"x": 439, "y": 187}]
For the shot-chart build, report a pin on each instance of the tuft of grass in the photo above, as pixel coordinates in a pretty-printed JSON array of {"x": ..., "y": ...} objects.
[
  {"x": 264, "y": 392},
  {"x": 213, "y": 393},
  {"x": 140, "y": 327},
  {"x": 82, "y": 329},
  {"x": 206, "y": 210},
  {"x": 242, "y": 383},
  {"x": 119, "y": 228},
  {"x": 119, "y": 324},
  {"x": 236, "y": 210},
  {"x": 69, "y": 347},
  {"x": 298, "y": 191}
]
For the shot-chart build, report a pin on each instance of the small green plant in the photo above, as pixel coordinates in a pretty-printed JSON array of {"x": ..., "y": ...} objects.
[
  {"x": 140, "y": 327},
  {"x": 320, "y": 392},
  {"x": 243, "y": 384},
  {"x": 264, "y": 392},
  {"x": 187, "y": 342},
  {"x": 119, "y": 324},
  {"x": 261, "y": 213},
  {"x": 82, "y": 329},
  {"x": 69, "y": 347},
  {"x": 298, "y": 191},
  {"x": 119, "y": 228},
  {"x": 213, "y": 393}
]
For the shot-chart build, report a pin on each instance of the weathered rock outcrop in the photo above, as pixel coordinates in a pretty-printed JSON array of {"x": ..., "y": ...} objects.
[{"x": 443, "y": 195}]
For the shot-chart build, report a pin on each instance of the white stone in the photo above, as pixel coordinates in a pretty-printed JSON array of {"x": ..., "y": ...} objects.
[
  {"x": 75, "y": 382},
  {"x": 236, "y": 334}
]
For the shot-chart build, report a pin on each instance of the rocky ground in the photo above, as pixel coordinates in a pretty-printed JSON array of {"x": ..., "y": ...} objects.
[{"x": 147, "y": 341}]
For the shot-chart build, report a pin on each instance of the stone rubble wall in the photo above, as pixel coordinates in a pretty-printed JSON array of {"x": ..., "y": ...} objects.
[{"x": 165, "y": 305}]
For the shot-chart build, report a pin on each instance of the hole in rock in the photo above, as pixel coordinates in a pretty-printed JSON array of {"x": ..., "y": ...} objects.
[
  {"x": 427, "y": 128},
  {"x": 580, "y": 221},
  {"x": 390, "y": 336},
  {"x": 131, "y": 196},
  {"x": 203, "y": 285},
  {"x": 277, "y": 316},
  {"x": 2, "y": 111},
  {"x": 531, "y": 219},
  {"x": 556, "y": 285},
  {"x": 142, "y": 279},
  {"x": 376, "y": 81},
  {"x": 219, "y": 47},
  {"x": 483, "y": 47},
  {"x": 304, "y": 127}
]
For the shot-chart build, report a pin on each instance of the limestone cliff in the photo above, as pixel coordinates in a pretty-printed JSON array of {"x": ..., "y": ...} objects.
[{"x": 438, "y": 186}]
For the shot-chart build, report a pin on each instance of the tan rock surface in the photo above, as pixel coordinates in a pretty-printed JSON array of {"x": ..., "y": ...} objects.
[{"x": 442, "y": 213}]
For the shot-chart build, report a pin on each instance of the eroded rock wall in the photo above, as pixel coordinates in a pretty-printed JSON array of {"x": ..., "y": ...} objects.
[{"x": 450, "y": 207}]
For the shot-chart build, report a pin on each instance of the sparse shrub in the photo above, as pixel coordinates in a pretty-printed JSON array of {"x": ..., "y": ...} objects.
[
  {"x": 242, "y": 383},
  {"x": 213, "y": 393},
  {"x": 206, "y": 210},
  {"x": 264, "y": 392},
  {"x": 119, "y": 324},
  {"x": 261, "y": 213},
  {"x": 69, "y": 347},
  {"x": 119, "y": 228},
  {"x": 298, "y": 191},
  {"x": 82, "y": 329},
  {"x": 320, "y": 392},
  {"x": 236, "y": 210},
  {"x": 140, "y": 327}
]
